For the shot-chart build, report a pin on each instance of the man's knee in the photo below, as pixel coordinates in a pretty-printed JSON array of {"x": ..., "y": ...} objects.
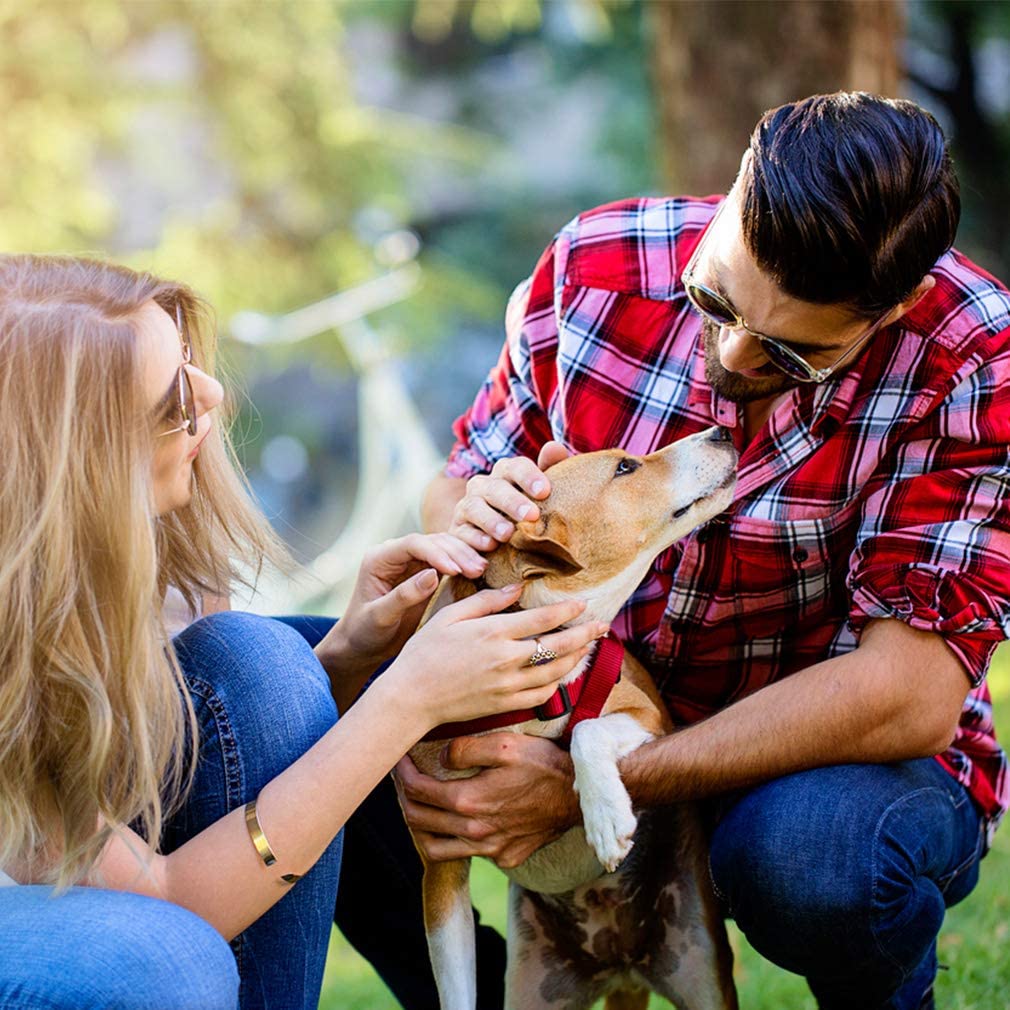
[
  {"x": 795, "y": 868},
  {"x": 770, "y": 865},
  {"x": 837, "y": 865}
]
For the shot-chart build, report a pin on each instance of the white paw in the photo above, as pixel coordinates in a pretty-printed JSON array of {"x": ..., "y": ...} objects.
[
  {"x": 609, "y": 824},
  {"x": 597, "y": 745}
]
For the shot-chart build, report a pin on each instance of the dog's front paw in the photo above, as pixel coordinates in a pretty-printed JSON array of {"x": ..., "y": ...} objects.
[
  {"x": 597, "y": 746},
  {"x": 609, "y": 824}
]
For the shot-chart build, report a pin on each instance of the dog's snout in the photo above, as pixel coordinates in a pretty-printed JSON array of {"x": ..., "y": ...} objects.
[{"x": 721, "y": 434}]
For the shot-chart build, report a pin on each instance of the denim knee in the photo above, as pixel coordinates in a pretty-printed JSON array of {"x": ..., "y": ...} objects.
[
  {"x": 258, "y": 689},
  {"x": 781, "y": 882},
  {"x": 90, "y": 949},
  {"x": 840, "y": 874}
]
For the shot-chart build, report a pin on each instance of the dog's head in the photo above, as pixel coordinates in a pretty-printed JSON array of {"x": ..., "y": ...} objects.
[{"x": 608, "y": 515}]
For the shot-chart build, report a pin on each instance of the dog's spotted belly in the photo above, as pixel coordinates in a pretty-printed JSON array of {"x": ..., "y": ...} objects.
[{"x": 624, "y": 928}]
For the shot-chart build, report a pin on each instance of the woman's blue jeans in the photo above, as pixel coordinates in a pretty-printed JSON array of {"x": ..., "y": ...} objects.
[
  {"x": 843, "y": 874},
  {"x": 261, "y": 700}
]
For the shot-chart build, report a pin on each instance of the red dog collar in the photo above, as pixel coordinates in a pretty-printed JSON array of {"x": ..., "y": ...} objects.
[{"x": 583, "y": 697}]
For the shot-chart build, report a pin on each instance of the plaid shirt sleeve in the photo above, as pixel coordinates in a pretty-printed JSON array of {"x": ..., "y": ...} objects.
[
  {"x": 933, "y": 549},
  {"x": 510, "y": 416}
]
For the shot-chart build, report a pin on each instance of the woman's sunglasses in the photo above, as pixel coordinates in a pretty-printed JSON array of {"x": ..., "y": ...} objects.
[
  {"x": 186, "y": 401},
  {"x": 717, "y": 310}
]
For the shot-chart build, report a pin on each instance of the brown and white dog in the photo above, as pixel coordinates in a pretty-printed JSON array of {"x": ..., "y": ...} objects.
[{"x": 621, "y": 905}]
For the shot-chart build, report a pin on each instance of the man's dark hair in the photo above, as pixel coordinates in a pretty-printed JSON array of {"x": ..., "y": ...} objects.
[{"x": 849, "y": 198}]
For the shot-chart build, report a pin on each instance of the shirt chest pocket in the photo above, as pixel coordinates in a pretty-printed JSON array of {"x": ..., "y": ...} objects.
[{"x": 787, "y": 573}]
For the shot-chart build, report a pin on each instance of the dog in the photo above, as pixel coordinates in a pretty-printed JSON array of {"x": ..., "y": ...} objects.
[{"x": 621, "y": 905}]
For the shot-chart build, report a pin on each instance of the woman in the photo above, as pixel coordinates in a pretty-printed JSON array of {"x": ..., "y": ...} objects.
[{"x": 157, "y": 799}]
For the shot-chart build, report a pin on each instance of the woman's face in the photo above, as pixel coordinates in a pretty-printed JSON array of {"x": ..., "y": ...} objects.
[{"x": 161, "y": 356}]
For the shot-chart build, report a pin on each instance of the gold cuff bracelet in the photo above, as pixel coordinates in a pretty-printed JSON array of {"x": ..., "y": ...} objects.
[{"x": 259, "y": 840}]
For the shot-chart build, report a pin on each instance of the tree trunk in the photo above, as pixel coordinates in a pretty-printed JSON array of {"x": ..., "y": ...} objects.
[{"x": 719, "y": 64}]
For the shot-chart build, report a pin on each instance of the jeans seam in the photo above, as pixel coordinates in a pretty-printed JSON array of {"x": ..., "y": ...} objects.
[
  {"x": 905, "y": 974},
  {"x": 944, "y": 882},
  {"x": 232, "y": 767}
]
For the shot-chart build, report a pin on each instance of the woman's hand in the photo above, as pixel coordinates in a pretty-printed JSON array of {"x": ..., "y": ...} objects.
[
  {"x": 394, "y": 583},
  {"x": 470, "y": 661},
  {"x": 486, "y": 514}
]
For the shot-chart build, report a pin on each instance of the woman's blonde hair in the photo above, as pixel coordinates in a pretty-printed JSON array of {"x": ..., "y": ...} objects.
[{"x": 94, "y": 716}]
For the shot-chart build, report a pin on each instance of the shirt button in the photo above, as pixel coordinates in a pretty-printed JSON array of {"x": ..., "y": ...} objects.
[
  {"x": 704, "y": 535},
  {"x": 800, "y": 554}
]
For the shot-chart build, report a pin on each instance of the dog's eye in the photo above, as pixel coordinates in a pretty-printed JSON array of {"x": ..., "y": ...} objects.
[{"x": 626, "y": 465}]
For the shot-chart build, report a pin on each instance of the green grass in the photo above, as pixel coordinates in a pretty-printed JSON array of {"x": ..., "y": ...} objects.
[{"x": 973, "y": 942}]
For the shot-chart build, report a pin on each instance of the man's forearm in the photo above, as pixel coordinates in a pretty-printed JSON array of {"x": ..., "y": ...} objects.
[
  {"x": 895, "y": 698},
  {"x": 439, "y": 501}
]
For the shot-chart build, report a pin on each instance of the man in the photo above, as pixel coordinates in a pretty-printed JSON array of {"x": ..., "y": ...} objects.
[{"x": 825, "y": 642}]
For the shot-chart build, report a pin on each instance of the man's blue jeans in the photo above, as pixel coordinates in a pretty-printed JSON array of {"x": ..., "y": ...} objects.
[
  {"x": 262, "y": 700},
  {"x": 843, "y": 874}
]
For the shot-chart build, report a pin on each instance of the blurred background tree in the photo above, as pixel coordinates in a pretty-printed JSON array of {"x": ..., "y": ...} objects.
[
  {"x": 719, "y": 66},
  {"x": 274, "y": 153}
]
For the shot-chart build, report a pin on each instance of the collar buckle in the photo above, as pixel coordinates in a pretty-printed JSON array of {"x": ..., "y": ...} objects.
[{"x": 547, "y": 710}]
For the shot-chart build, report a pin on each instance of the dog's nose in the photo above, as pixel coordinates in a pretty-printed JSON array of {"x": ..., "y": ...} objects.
[{"x": 721, "y": 434}]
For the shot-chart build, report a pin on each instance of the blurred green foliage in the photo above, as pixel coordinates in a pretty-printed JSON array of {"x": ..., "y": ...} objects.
[
  {"x": 236, "y": 123},
  {"x": 235, "y": 144}
]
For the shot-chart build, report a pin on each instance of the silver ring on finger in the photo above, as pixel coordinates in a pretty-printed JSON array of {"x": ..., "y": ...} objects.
[{"x": 541, "y": 655}]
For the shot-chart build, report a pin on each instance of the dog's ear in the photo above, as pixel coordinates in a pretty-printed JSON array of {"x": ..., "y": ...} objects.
[
  {"x": 544, "y": 551},
  {"x": 450, "y": 589}
]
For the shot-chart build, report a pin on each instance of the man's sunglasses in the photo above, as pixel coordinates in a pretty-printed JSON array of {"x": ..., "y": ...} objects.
[
  {"x": 717, "y": 310},
  {"x": 184, "y": 389}
]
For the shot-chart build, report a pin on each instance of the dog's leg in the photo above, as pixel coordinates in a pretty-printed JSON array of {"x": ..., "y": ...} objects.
[
  {"x": 448, "y": 922},
  {"x": 701, "y": 975},
  {"x": 597, "y": 746},
  {"x": 690, "y": 962},
  {"x": 548, "y": 969}
]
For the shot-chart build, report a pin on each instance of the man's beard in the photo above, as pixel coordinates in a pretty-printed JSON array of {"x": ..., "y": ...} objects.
[{"x": 733, "y": 386}]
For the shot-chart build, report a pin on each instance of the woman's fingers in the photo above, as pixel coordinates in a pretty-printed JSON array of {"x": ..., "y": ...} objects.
[
  {"x": 469, "y": 560},
  {"x": 482, "y": 604},
  {"x": 540, "y": 620},
  {"x": 502, "y": 494},
  {"x": 522, "y": 623},
  {"x": 524, "y": 474},
  {"x": 445, "y": 553},
  {"x": 388, "y": 609},
  {"x": 475, "y": 510},
  {"x": 550, "y": 453},
  {"x": 562, "y": 644},
  {"x": 538, "y": 683},
  {"x": 527, "y": 624},
  {"x": 473, "y": 537}
]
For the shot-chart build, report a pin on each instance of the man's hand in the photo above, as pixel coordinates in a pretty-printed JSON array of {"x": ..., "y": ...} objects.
[
  {"x": 522, "y": 798},
  {"x": 486, "y": 514}
]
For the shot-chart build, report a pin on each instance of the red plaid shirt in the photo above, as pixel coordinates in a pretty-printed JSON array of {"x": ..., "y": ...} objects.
[{"x": 882, "y": 493}]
